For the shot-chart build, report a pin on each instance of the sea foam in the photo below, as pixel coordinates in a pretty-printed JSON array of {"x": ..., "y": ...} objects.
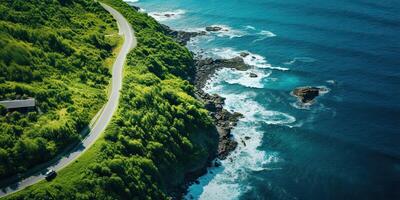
[
  {"x": 300, "y": 59},
  {"x": 233, "y": 76},
  {"x": 249, "y": 27},
  {"x": 252, "y": 59},
  {"x": 131, "y": 1},
  {"x": 262, "y": 35},
  {"x": 227, "y": 31},
  {"x": 221, "y": 183},
  {"x": 167, "y": 15}
]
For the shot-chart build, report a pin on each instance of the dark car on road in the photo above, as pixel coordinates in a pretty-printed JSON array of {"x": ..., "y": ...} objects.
[{"x": 50, "y": 174}]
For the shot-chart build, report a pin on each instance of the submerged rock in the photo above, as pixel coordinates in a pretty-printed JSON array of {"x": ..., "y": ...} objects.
[
  {"x": 213, "y": 28},
  {"x": 253, "y": 75},
  {"x": 308, "y": 94},
  {"x": 244, "y": 54},
  {"x": 217, "y": 163}
]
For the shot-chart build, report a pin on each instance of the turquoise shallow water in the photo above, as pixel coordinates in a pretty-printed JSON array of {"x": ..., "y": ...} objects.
[{"x": 346, "y": 145}]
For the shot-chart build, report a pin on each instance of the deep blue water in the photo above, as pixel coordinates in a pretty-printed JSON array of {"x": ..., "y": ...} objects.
[{"x": 344, "y": 146}]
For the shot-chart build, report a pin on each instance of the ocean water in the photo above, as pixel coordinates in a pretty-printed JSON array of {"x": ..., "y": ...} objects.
[{"x": 344, "y": 146}]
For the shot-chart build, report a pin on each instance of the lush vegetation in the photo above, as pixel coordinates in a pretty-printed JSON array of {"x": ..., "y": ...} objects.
[
  {"x": 159, "y": 132},
  {"x": 56, "y": 52}
]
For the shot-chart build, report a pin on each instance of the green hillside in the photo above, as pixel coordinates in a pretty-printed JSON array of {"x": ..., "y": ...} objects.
[
  {"x": 56, "y": 52},
  {"x": 159, "y": 133}
]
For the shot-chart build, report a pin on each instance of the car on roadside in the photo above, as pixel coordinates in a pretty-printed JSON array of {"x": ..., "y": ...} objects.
[{"x": 51, "y": 174}]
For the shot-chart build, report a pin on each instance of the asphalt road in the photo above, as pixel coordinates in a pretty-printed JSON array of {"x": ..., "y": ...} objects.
[{"x": 102, "y": 121}]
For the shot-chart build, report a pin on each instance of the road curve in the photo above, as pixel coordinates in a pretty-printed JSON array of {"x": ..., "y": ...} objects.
[{"x": 102, "y": 120}]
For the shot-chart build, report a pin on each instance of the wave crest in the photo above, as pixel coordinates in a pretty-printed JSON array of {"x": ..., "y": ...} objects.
[{"x": 167, "y": 15}]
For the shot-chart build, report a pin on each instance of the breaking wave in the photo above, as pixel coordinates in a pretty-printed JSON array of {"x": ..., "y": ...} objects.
[{"x": 167, "y": 15}]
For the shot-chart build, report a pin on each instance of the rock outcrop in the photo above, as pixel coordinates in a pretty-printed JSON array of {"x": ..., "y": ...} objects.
[
  {"x": 205, "y": 68},
  {"x": 253, "y": 75},
  {"x": 244, "y": 54},
  {"x": 182, "y": 37},
  {"x": 213, "y": 28},
  {"x": 308, "y": 94},
  {"x": 223, "y": 120}
]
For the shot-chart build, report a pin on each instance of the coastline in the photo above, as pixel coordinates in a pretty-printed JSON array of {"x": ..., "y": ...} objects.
[{"x": 223, "y": 120}]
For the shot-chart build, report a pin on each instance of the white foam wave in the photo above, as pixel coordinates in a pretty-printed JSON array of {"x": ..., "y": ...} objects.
[
  {"x": 222, "y": 183},
  {"x": 233, "y": 76},
  {"x": 227, "y": 31},
  {"x": 323, "y": 90},
  {"x": 332, "y": 82},
  {"x": 251, "y": 59},
  {"x": 167, "y": 15},
  {"x": 131, "y": 1},
  {"x": 264, "y": 35},
  {"x": 252, "y": 111},
  {"x": 250, "y": 27},
  {"x": 301, "y": 59},
  {"x": 267, "y": 33}
]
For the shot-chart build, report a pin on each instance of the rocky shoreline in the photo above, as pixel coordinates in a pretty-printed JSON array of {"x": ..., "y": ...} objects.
[
  {"x": 224, "y": 120},
  {"x": 182, "y": 37},
  {"x": 205, "y": 69}
]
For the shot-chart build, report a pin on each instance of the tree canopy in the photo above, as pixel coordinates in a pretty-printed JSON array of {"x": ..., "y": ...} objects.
[
  {"x": 159, "y": 133},
  {"x": 55, "y": 52}
]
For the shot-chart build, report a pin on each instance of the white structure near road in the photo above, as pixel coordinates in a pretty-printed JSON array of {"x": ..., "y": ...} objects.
[{"x": 15, "y": 104}]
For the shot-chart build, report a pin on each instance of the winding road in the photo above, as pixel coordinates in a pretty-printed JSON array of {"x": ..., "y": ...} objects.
[{"x": 103, "y": 119}]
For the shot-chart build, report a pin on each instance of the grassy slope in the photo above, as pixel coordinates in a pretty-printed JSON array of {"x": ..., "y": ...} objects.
[
  {"x": 160, "y": 130},
  {"x": 57, "y": 53}
]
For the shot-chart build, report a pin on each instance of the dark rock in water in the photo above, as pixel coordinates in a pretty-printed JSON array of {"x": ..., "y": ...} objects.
[
  {"x": 307, "y": 94},
  {"x": 247, "y": 138},
  {"x": 182, "y": 37},
  {"x": 206, "y": 67},
  {"x": 235, "y": 116},
  {"x": 197, "y": 181},
  {"x": 223, "y": 120},
  {"x": 135, "y": 7},
  {"x": 225, "y": 147},
  {"x": 243, "y": 142},
  {"x": 217, "y": 163},
  {"x": 253, "y": 75},
  {"x": 213, "y": 28},
  {"x": 244, "y": 54},
  {"x": 236, "y": 63}
]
